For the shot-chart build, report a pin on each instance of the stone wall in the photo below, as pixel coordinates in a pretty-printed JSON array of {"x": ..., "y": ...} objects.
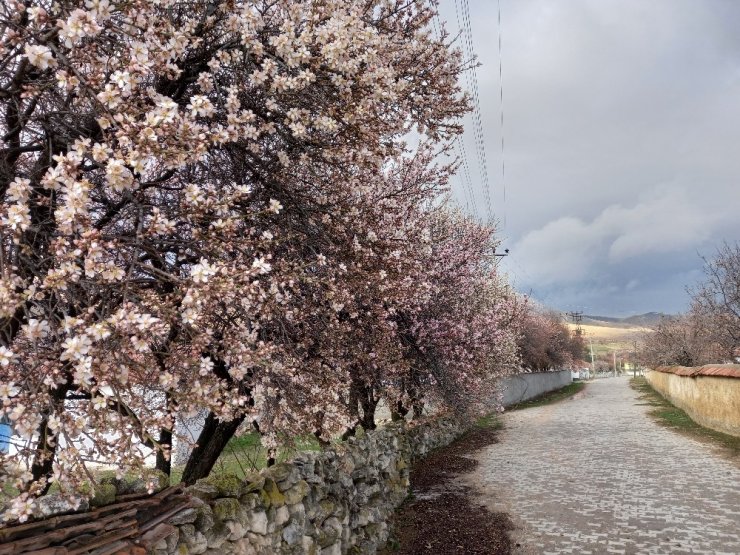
[
  {"x": 521, "y": 387},
  {"x": 710, "y": 395},
  {"x": 327, "y": 503}
]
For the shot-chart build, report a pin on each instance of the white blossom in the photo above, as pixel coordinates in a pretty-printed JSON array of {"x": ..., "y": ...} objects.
[
  {"x": 202, "y": 271},
  {"x": 261, "y": 265},
  {"x": 275, "y": 206},
  {"x": 36, "y": 329},
  {"x": 6, "y": 356},
  {"x": 75, "y": 348},
  {"x": 40, "y": 56},
  {"x": 118, "y": 175},
  {"x": 8, "y": 390}
]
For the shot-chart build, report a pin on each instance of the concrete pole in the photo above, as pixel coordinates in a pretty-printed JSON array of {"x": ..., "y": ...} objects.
[
  {"x": 614, "y": 354},
  {"x": 593, "y": 372}
]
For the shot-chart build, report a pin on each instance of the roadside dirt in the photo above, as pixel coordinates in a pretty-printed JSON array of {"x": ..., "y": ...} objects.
[{"x": 442, "y": 516}]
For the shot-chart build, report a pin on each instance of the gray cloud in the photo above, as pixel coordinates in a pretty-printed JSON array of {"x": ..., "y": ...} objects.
[
  {"x": 663, "y": 222},
  {"x": 622, "y": 125}
]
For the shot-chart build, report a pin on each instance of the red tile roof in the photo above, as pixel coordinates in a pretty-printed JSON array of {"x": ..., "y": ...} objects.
[{"x": 724, "y": 370}]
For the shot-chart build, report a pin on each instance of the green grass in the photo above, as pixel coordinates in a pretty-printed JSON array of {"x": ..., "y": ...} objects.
[
  {"x": 8, "y": 492},
  {"x": 489, "y": 421},
  {"x": 245, "y": 454},
  {"x": 551, "y": 397},
  {"x": 676, "y": 419}
]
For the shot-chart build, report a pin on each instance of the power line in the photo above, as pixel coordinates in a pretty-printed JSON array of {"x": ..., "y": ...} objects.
[
  {"x": 462, "y": 13},
  {"x": 465, "y": 179},
  {"x": 478, "y": 120},
  {"x": 501, "y": 104}
]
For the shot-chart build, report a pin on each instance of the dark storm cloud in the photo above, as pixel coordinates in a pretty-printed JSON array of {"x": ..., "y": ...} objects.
[{"x": 622, "y": 126}]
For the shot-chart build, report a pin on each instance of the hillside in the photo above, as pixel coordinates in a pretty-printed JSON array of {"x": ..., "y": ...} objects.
[
  {"x": 646, "y": 320},
  {"x": 609, "y": 334},
  {"x": 618, "y": 335}
]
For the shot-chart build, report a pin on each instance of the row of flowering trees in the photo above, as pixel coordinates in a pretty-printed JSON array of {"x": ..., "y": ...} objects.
[
  {"x": 546, "y": 342},
  {"x": 709, "y": 331},
  {"x": 209, "y": 204}
]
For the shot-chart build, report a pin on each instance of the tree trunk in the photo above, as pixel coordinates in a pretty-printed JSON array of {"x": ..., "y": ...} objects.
[
  {"x": 349, "y": 432},
  {"x": 43, "y": 459},
  {"x": 165, "y": 441},
  {"x": 353, "y": 406},
  {"x": 398, "y": 412},
  {"x": 415, "y": 397},
  {"x": 211, "y": 442},
  {"x": 164, "y": 463},
  {"x": 418, "y": 409},
  {"x": 368, "y": 403}
]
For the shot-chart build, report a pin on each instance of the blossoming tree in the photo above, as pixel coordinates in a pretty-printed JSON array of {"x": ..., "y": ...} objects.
[
  {"x": 210, "y": 205},
  {"x": 546, "y": 342}
]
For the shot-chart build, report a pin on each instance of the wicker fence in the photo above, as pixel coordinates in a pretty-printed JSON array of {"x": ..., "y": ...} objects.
[{"x": 131, "y": 525}]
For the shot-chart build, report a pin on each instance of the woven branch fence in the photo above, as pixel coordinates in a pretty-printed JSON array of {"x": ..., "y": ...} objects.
[{"x": 131, "y": 525}]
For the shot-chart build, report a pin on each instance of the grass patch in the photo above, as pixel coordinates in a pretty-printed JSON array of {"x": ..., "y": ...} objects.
[
  {"x": 550, "y": 397},
  {"x": 7, "y": 492},
  {"x": 489, "y": 421},
  {"x": 670, "y": 416},
  {"x": 245, "y": 454}
]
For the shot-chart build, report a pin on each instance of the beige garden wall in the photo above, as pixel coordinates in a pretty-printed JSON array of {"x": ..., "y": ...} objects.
[{"x": 709, "y": 394}]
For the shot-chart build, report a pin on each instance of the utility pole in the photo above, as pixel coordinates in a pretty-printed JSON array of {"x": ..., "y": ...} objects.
[
  {"x": 615, "y": 363},
  {"x": 634, "y": 359},
  {"x": 577, "y": 318},
  {"x": 591, "y": 344}
]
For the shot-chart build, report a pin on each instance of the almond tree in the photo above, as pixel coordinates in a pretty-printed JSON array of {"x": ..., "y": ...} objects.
[
  {"x": 209, "y": 205},
  {"x": 149, "y": 149},
  {"x": 461, "y": 336},
  {"x": 682, "y": 340},
  {"x": 716, "y": 301},
  {"x": 546, "y": 342},
  {"x": 709, "y": 332}
]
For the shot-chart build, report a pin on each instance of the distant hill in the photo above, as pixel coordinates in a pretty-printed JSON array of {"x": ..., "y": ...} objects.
[
  {"x": 612, "y": 333},
  {"x": 646, "y": 320}
]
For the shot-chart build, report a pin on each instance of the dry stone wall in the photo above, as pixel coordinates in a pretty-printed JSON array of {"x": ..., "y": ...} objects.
[{"x": 328, "y": 503}]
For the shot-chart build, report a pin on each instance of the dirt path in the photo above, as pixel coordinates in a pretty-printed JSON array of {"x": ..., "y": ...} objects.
[
  {"x": 596, "y": 475},
  {"x": 442, "y": 516}
]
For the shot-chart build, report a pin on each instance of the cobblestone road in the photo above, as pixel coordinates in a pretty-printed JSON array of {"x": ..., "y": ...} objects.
[{"x": 596, "y": 475}]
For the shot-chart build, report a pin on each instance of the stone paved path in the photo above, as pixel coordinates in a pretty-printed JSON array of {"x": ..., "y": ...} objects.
[{"x": 596, "y": 475}]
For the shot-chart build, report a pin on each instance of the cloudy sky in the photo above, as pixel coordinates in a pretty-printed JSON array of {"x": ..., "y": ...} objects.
[{"x": 622, "y": 133}]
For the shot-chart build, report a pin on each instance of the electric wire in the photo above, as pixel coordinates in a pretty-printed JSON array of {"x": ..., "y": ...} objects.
[
  {"x": 501, "y": 104},
  {"x": 465, "y": 177},
  {"x": 479, "y": 136},
  {"x": 468, "y": 181}
]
